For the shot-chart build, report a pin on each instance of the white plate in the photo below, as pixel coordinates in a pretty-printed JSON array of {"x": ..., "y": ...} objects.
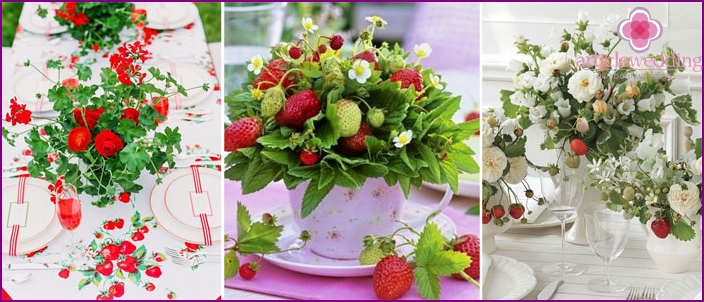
[
  {"x": 171, "y": 224},
  {"x": 31, "y": 22},
  {"x": 188, "y": 75},
  {"x": 307, "y": 262},
  {"x": 508, "y": 279},
  {"x": 168, "y": 15},
  {"x": 182, "y": 185},
  {"x": 684, "y": 288},
  {"x": 41, "y": 227},
  {"x": 545, "y": 220},
  {"x": 28, "y": 83}
]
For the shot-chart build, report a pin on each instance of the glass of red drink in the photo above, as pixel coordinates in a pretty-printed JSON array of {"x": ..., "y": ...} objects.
[{"x": 68, "y": 207}]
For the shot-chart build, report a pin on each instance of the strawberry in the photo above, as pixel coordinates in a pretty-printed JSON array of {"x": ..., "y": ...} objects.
[
  {"x": 129, "y": 264},
  {"x": 98, "y": 235},
  {"x": 192, "y": 246},
  {"x": 248, "y": 270},
  {"x": 498, "y": 211},
  {"x": 322, "y": 48},
  {"x": 242, "y": 133},
  {"x": 127, "y": 248},
  {"x": 469, "y": 244},
  {"x": 336, "y": 42},
  {"x": 350, "y": 117},
  {"x": 117, "y": 289},
  {"x": 150, "y": 287},
  {"x": 137, "y": 236},
  {"x": 486, "y": 216},
  {"x": 273, "y": 101},
  {"x": 660, "y": 227},
  {"x": 371, "y": 254},
  {"x": 105, "y": 268},
  {"x": 309, "y": 158},
  {"x": 368, "y": 56},
  {"x": 354, "y": 145},
  {"x": 64, "y": 273},
  {"x": 294, "y": 52},
  {"x": 392, "y": 278},
  {"x": 158, "y": 257},
  {"x": 153, "y": 271},
  {"x": 119, "y": 223},
  {"x": 375, "y": 117},
  {"x": 572, "y": 160},
  {"x": 408, "y": 77},
  {"x": 516, "y": 210},
  {"x": 144, "y": 229},
  {"x": 110, "y": 252},
  {"x": 297, "y": 109},
  {"x": 104, "y": 297},
  {"x": 171, "y": 296},
  {"x": 272, "y": 75},
  {"x": 124, "y": 197},
  {"x": 578, "y": 146}
]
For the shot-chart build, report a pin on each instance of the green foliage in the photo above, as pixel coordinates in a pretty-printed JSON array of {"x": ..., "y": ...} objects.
[{"x": 433, "y": 261}]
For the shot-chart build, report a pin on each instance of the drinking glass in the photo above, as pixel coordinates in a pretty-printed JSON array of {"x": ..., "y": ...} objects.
[
  {"x": 249, "y": 30},
  {"x": 607, "y": 234},
  {"x": 563, "y": 194},
  {"x": 68, "y": 208}
]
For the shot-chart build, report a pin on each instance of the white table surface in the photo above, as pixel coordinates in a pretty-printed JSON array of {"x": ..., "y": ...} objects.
[
  {"x": 536, "y": 247},
  {"x": 205, "y": 282}
]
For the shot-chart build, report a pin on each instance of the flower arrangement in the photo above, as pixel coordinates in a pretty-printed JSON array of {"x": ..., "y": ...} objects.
[
  {"x": 644, "y": 184},
  {"x": 105, "y": 134},
  {"x": 504, "y": 164},
  {"x": 314, "y": 114},
  {"x": 584, "y": 97},
  {"x": 97, "y": 25}
]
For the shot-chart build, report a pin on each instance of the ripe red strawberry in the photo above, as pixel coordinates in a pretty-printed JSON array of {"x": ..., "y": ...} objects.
[
  {"x": 498, "y": 211},
  {"x": 137, "y": 236},
  {"x": 516, "y": 210},
  {"x": 192, "y": 246},
  {"x": 104, "y": 297},
  {"x": 143, "y": 229},
  {"x": 124, "y": 197},
  {"x": 110, "y": 252},
  {"x": 158, "y": 257},
  {"x": 469, "y": 244},
  {"x": 294, "y": 52},
  {"x": 368, "y": 56},
  {"x": 127, "y": 248},
  {"x": 322, "y": 48},
  {"x": 272, "y": 74},
  {"x": 408, "y": 77},
  {"x": 153, "y": 271},
  {"x": 64, "y": 273},
  {"x": 578, "y": 146},
  {"x": 105, "y": 268},
  {"x": 486, "y": 216},
  {"x": 309, "y": 158},
  {"x": 242, "y": 133},
  {"x": 392, "y": 278},
  {"x": 119, "y": 223},
  {"x": 150, "y": 287},
  {"x": 336, "y": 42},
  {"x": 248, "y": 270},
  {"x": 660, "y": 227},
  {"x": 117, "y": 289},
  {"x": 355, "y": 144},
  {"x": 297, "y": 109}
]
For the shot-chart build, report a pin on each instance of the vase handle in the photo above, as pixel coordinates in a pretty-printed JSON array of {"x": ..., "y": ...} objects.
[{"x": 420, "y": 221}]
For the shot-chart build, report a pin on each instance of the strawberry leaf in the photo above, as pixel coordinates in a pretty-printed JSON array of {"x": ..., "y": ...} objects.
[
  {"x": 429, "y": 244},
  {"x": 313, "y": 196},
  {"x": 428, "y": 284},
  {"x": 260, "y": 238},
  {"x": 447, "y": 262},
  {"x": 244, "y": 220},
  {"x": 682, "y": 230},
  {"x": 232, "y": 263}
]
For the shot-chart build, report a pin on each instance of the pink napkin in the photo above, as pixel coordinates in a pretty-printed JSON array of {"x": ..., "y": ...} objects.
[{"x": 273, "y": 280}]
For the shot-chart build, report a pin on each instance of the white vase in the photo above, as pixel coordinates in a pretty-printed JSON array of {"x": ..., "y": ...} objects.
[
  {"x": 490, "y": 229},
  {"x": 671, "y": 255},
  {"x": 340, "y": 222}
]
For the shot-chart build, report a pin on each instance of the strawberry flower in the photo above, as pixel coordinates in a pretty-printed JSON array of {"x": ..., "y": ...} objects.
[
  {"x": 360, "y": 71},
  {"x": 435, "y": 81},
  {"x": 403, "y": 138},
  {"x": 422, "y": 51},
  {"x": 377, "y": 21},
  {"x": 256, "y": 64},
  {"x": 308, "y": 25}
]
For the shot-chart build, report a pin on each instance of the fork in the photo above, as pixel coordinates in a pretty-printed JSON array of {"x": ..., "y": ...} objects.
[
  {"x": 175, "y": 252},
  {"x": 648, "y": 293}
]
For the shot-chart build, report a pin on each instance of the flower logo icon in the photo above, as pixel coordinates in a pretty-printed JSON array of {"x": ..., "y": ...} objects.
[{"x": 639, "y": 29}]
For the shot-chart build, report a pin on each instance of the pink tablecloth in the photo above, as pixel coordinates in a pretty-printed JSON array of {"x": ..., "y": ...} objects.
[{"x": 273, "y": 280}]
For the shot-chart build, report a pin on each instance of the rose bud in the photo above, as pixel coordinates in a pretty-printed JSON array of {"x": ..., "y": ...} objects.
[
  {"x": 624, "y": 63},
  {"x": 550, "y": 123},
  {"x": 632, "y": 90},
  {"x": 582, "y": 125},
  {"x": 518, "y": 131},
  {"x": 599, "y": 106},
  {"x": 600, "y": 95}
]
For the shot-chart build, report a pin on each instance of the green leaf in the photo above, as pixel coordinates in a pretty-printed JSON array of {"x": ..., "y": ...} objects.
[
  {"x": 683, "y": 106},
  {"x": 682, "y": 230},
  {"x": 510, "y": 110},
  {"x": 429, "y": 244},
  {"x": 313, "y": 196},
  {"x": 429, "y": 157},
  {"x": 475, "y": 210},
  {"x": 232, "y": 264},
  {"x": 274, "y": 140},
  {"x": 261, "y": 238},
  {"x": 445, "y": 263},
  {"x": 244, "y": 220},
  {"x": 140, "y": 253},
  {"x": 428, "y": 284},
  {"x": 259, "y": 175}
]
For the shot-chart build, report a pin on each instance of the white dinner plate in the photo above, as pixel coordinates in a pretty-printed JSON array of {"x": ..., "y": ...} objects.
[
  {"x": 684, "y": 288},
  {"x": 172, "y": 15},
  {"x": 507, "y": 279},
  {"x": 44, "y": 26},
  {"x": 210, "y": 180},
  {"x": 182, "y": 185},
  {"x": 307, "y": 262},
  {"x": 545, "y": 220},
  {"x": 27, "y": 83},
  {"x": 41, "y": 226},
  {"x": 189, "y": 75}
]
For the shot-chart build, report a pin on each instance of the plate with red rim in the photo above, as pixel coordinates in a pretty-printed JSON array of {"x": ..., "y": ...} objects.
[
  {"x": 171, "y": 206},
  {"x": 27, "y": 83},
  {"x": 172, "y": 15},
  {"x": 41, "y": 226},
  {"x": 33, "y": 23}
]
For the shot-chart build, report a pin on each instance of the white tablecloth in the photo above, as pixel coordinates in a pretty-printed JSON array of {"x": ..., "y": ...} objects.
[{"x": 204, "y": 282}]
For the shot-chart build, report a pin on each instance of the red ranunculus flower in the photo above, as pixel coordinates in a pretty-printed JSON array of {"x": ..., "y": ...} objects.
[
  {"x": 87, "y": 117},
  {"x": 131, "y": 114},
  {"x": 79, "y": 139},
  {"x": 107, "y": 143}
]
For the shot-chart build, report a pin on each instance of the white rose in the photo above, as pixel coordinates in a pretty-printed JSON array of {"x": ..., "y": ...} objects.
[
  {"x": 563, "y": 107},
  {"x": 537, "y": 113},
  {"x": 626, "y": 107},
  {"x": 684, "y": 198},
  {"x": 584, "y": 84},
  {"x": 647, "y": 104},
  {"x": 680, "y": 86},
  {"x": 555, "y": 61},
  {"x": 518, "y": 170},
  {"x": 493, "y": 164},
  {"x": 487, "y": 134}
]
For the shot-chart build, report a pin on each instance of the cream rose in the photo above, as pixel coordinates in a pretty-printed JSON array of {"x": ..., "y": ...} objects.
[
  {"x": 684, "y": 198},
  {"x": 487, "y": 134},
  {"x": 518, "y": 170},
  {"x": 494, "y": 162},
  {"x": 584, "y": 84}
]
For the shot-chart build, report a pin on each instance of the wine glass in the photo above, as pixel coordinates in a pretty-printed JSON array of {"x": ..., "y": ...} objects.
[
  {"x": 607, "y": 234},
  {"x": 563, "y": 194},
  {"x": 68, "y": 208}
]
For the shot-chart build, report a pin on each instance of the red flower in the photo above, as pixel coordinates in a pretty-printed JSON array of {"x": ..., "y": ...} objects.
[
  {"x": 161, "y": 104},
  {"x": 137, "y": 13},
  {"x": 70, "y": 83},
  {"x": 18, "y": 113},
  {"x": 71, "y": 7},
  {"x": 79, "y": 139},
  {"x": 87, "y": 117},
  {"x": 131, "y": 114},
  {"x": 123, "y": 62},
  {"x": 107, "y": 143},
  {"x": 96, "y": 47}
]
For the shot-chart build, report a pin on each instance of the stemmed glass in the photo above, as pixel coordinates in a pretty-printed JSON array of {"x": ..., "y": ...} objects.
[
  {"x": 563, "y": 194},
  {"x": 68, "y": 208},
  {"x": 607, "y": 234}
]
